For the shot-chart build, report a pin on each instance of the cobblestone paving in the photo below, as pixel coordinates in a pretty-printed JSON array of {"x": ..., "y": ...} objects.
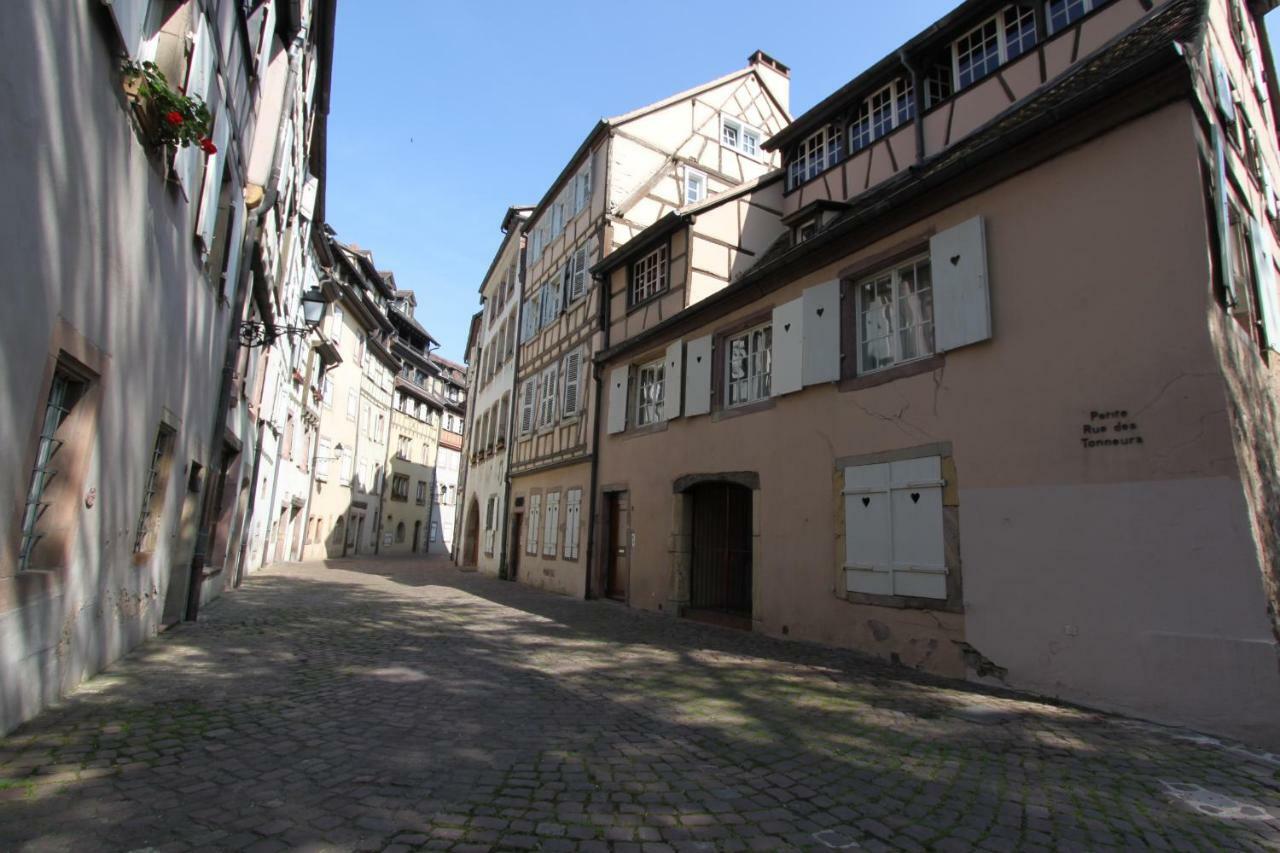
[{"x": 404, "y": 706}]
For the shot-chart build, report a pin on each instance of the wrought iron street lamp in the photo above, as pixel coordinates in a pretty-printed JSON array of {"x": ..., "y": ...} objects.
[{"x": 253, "y": 334}]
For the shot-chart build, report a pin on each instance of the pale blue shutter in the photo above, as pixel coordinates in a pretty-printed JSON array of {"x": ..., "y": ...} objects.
[
  {"x": 200, "y": 75},
  {"x": 1267, "y": 296},
  {"x": 207, "y": 222},
  {"x": 130, "y": 18}
]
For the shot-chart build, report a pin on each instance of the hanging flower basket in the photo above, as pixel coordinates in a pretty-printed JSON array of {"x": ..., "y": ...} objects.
[{"x": 168, "y": 117}]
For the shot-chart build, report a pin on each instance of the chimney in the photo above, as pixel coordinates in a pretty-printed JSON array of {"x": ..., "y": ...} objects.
[{"x": 776, "y": 77}]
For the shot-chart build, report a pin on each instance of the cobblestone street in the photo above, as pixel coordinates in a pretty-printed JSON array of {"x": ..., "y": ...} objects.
[{"x": 404, "y": 705}]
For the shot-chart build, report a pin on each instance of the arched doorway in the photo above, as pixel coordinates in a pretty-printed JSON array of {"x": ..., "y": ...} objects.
[
  {"x": 471, "y": 536},
  {"x": 720, "y": 554}
]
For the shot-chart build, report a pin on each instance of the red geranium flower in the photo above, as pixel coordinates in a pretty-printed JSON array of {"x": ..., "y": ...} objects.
[
  {"x": 174, "y": 117},
  {"x": 208, "y": 146}
]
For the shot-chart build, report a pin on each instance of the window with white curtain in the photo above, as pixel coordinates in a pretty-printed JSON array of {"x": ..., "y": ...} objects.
[
  {"x": 895, "y": 316},
  {"x": 748, "y": 366},
  {"x": 650, "y": 391}
]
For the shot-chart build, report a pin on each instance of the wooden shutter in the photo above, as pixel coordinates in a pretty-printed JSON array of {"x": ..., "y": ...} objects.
[
  {"x": 531, "y": 541},
  {"x": 697, "y": 386},
  {"x": 526, "y": 407},
  {"x": 821, "y": 333},
  {"x": 961, "y": 301},
  {"x": 130, "y": 17},
  {"x": 788, "y": 348},
  {"x": 200, "y": 75},
  {"x": 673, "y": 373},
  {"x": 578, "y": 274},
  {"x": 1267, "y": 296},
  {"x": 572, "y": 514},
  {"x": 868, "y": 544},
  {"x": 618, "y": 399},
  {"x": 307, "y": 199},
  {"x": 207, "y": 223},
  {"x": 231, "y": 270},
  {"x": 919, "y": 558},
  {"x": 1222, "y": 206},
  {"x": 1222, "y": 87},
  {"x": 551, "y": 527},
  {"x": 572, "y": 369}
]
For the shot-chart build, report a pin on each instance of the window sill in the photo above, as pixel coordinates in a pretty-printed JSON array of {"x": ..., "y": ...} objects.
[
  {"x": 903, "y": 602},
  {"x": 632, "y": 307},
  {"x": 744, "y": 409},
  {"x": 901, "y": 371},
  {"x": 647, "y": 429}
]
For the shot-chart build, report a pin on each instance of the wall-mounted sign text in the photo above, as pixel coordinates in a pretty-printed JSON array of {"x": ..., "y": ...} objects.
[{"x": 1110, "y": 429}]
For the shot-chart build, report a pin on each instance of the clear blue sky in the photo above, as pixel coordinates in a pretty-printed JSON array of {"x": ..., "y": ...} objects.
[{"x": 444, "y": 114}]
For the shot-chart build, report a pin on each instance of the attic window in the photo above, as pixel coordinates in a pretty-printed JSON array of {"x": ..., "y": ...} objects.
[
  {"x": 998, "y": 40},
  {"x": 740, "y": 137}
]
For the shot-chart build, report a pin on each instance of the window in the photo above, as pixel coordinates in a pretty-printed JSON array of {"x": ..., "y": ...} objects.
[
  {"x": 649, "y": 393},
  {"x": 894, "y": 528},
  {"x": 748, "y": 366},
  {"x": 420, "y": 497},
  {"x": 344, "y": 470},
  {"x": 547, "y": 400},
  {"x": 882, "y": 112},
  {"x": 326, "y": 393},
  {"x": 1064, "y": 13},
  {"x": 400, "y": 532},
  {"x": 895, "y": 317},
  {"x": 490, "y": 520},
  {"x": 404, "y": 447},
  {"x": 937, "y": 85},
  {"x": 992, "y": 43},
  {"x": 504, "y": 415},
  {"x": 582, "y": 189},
  {"x": 551, "y": 526},
  {"x": 335, "y": 324},
  {"x": 695, "y": 186},
  {"x": 323, "y": 453},
  {"x": 817, "y": 153},
  {"x": 572, "y": 367},
  {"x": 352, "y": 399},
  {"x": 527, "y": 393},
  {"x": 146, "y": 535},
  {"x": 64, "y": 392},
  {"x": 531, "y": 538},
  {"x": 740, "y": 137},
  {"x": 572, "y": 514},
  {"x": 649, "y": 276},
  {"x": 435, "y": 530},
  {"x": 399, "y": 487},
  {"x": 550, "y": 304},
  {"x": 806, "y": 230},
  {"x": 528, "y": 318}
]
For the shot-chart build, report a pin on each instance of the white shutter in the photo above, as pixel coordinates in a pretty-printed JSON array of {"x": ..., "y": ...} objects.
[
  {"x": 130, "y": 17},
  {"x": 578, "y": 283},
  {"x": 307, "y": 200},
  {"x": 207, "y": 223},
  {"x": 821, "y": 333},
  {"x": 673, "y": 373},
  {"x": 551, "y": 527},
  {"x": 572, "y": 369},
  {"x": 1267, "y": 295},
  {"x": 961, "y": 299},
  {"x": 526, "y": 407},
  {"x": 919, "y": 558},
  {"x": 1222, "y": 204},
  {"x": 618, "y": 399},
  {"x": 531, "y": 541},
  {"x": 788, "y": 348},
  {"x": 200, "y": 74},
  {"x": 1259, "y": 75},
  {"x": 1269, "y": 190},
  {"x": 231, "y": 271},
  {"x": 572, "y": 514},
  {"x": 697, "y": 386},
  {"x": 868, "y": 547}
]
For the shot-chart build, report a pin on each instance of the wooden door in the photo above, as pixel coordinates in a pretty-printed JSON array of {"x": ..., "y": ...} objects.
[
  {"x": 517, "y": 545},
  {"x": 616, "y": 563},
  {"x": 720, "y": 570}
]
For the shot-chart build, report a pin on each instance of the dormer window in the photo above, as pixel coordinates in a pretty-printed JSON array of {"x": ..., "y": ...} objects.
[
  {"x": 1064, "y": 13},
  {"x": 695, "y": 186},
  {"x": 740, "y": 137},
  {"x": 817, "y": 153},
  {"x": 882, "y": 112},
  {"x": 998, "y": 40}
]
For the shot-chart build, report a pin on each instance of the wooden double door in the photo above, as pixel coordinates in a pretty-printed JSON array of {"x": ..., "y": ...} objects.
[{"x": 720, "y": 559}]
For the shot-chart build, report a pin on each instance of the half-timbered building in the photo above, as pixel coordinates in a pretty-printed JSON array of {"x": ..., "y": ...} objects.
[
  {"x": 1003, "y": 404},
  {"x": 630, "y": 171}
]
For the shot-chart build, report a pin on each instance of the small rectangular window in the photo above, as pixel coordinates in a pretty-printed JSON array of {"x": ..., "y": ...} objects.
[
  {"x": 740, "y": 137},
  {"x": 650, "y": 391},
  {"x": 695, "y": 186},
  {"x": 64, "y": 392},
  {"x": 547, "y": 400},
  {"x": 1064, "y": 13},
  {"x": 748, "y": 366},
  {"x": 146, "y": 534},
  {"x": 649, "y": 276}
]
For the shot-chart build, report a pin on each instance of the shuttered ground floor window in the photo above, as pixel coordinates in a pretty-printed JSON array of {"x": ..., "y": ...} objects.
[{"x": 894, "y": 540}]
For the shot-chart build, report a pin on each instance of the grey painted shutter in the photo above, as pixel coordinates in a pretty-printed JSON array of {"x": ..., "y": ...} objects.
[
  {"x": 572, "y": 367},
  {"x": 307, "y": 200},
  {"x": 868, "y": 543},
  {"x": 200, "y": 74},
  {"x": 673, "y": 373},
  {"x": 1222, "y": 88},
  {"x": 697, "y": 390},
  {"x": 618, "y": 399},
  {"x": 821, "y": 333},
  {"x": 919, "y": 557},
  {"x": 788, "y": 348},
  {"x": 1222, "y": 205},
  {"x": 961, "y": 300},
  {"x": 231, "y": 276},
  {"x": 130, "y": 17},
  {"x": 1267, "y": 296},
  {"x": 526, "y": 407}
]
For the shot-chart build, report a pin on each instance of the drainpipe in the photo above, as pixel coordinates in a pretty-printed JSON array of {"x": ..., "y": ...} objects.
[
  {"x": 917, "y": 97},
  {"x": 512, "y": 436},
  {"x": 596, "y": 373}
]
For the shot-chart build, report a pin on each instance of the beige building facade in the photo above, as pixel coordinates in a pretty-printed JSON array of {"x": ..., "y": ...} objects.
[
  {"x": 1002, "y": 406},
  {"x": 630, "y": 171}
]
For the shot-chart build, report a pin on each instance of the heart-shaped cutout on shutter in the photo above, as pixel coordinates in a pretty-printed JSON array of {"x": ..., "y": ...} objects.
[
  {"x": 786, "y": 327},
  {"x": 955, "y": 260},
  {"x": 699, "y": 359},
  {"x": 866, "y": 501},
  {"x": 915, "y": 497},
  {"x": 820, "y": 310}
]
